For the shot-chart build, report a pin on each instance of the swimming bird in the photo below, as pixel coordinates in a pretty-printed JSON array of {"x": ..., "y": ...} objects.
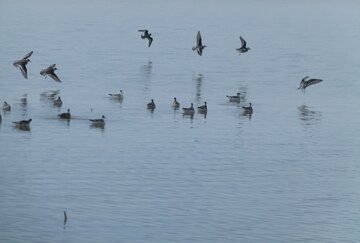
[
  {"x": 6, "y": 106},
  {"x": 57, "y": 102},
  {"x": 22, "y": 64},
  {"x": 51, "y": 72},
  {"x": 98, "y": 122},
  {"x": 117, "y": 96},
  {"x": 65, "y": 217},
  {"x": 234, "y": 98},
  {"x": 189, "y": 111},
  {"x": 203, "y": 108},
  {"x": 243, "y": 47},
  {"x": 65, "y": 115},
  {"x": 175, "y": 104},
  {"x": 146, "y": 35},
  {"x": 199, "y": 46},
  {"x": 305, "y": 83},
  {"x": 151, "y": 105},
  {"x": 23, "y": 122},
  {"x": 248, "y": 109}
]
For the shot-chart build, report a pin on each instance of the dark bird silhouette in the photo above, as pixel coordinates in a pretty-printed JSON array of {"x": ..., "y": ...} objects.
[
  {"x": 146, "y": 35},
  {"x": 199, "y": 46},
  {"x": 65, "y": 115},
  {"x": 22, "y": 64},
  {"x": 51, "y": 72},
  {"x": 65, "y": 217},
  {"x": 151, "y": 105},
  {"x": 243, "y": 47},
  {"x": 203, "y": 108},
  {"x": 189, "y": 111},
  {"x": 248, "y": 109},
  {"x": 306, "y": 83},
  {"x": 23, "y": 122}
]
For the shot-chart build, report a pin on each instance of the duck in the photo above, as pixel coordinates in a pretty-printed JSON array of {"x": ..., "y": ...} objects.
[
  {"x": 57, "y": 102},
  {"x": 6, "y": 107},
  {"x": 203, "y": 108},
  {"x": 146, "y": 35},
  {"x": 23, "y": 122},
  {"x": 50, "y": 71},
  {"x": 66, "y": 115},
  {"x": 21, "y": 64},
  {"x": 243, "y": 47},
  {"x": 306, "y": 83},
  {"x": 234, "y": 98},
  {"x": 248, "y": 109},
  {"x": 199, "y": 46},
  {"x": 151, "y": 105},
  {"x": 98, "y": 122},
  {"x": 175, "y": 104},
  {"x": 190, "y": 110},
  {"x": 117, "y": 96}
]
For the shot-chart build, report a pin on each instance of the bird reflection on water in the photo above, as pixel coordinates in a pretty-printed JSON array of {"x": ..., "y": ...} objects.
[{"x": 307, "y": 116}]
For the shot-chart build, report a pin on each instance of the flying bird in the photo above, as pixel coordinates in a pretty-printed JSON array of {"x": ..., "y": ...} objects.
[
  {"x": 199, "y": 46},
  {"x": 22, "y": 64},
  {"x": 243, "y": 47},
  {"x": 305, "y": 83},
  {"x": 51, "y": 72},
  {"x": 146, "y": 35}
]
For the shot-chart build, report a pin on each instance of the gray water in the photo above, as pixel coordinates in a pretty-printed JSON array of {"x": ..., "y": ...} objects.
[{"x": 288, "y": 173}]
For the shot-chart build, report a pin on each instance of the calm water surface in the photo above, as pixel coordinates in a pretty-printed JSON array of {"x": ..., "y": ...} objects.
[{"x": 290, "y": 172}]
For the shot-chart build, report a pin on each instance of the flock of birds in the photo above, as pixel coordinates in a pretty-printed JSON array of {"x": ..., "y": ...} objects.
[{"x": 199, "y": 48}]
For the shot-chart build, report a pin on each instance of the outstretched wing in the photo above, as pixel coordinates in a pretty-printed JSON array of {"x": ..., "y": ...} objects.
[
  {"x": 28, "y": 55},
  {"x": 198, "y": 39},
  {"x": 51, "y": 66},
  {"x": 144, "y": 31},
  {"x": 305, "y": 78},
  {"x": 313, "y": 81},
  {"x": 199, "y": 51},
  {"x": 243, "y": 42},
  {"x": 54, "y": 76},
  {"x": 150, "y": 40},
  {"x": 23, "y": 70}
]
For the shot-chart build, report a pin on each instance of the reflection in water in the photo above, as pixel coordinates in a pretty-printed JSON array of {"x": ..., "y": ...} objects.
[
  {"x": 247, "y": 114},
  {"x": 22, "y": 127},
  {"x": 97, "y": 126},
  {"x": 198, "y": 79},
  {"x": 187, "y": 115},
  {"x": 146, "y": 71},
  {"x": 307, "y": 116}
]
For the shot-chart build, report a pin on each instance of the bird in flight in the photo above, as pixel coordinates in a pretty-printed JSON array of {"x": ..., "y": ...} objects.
[
  {"x": 146, "y": 35},
  {"x": 22, "y": 64},
  {"x": 306, "y": 83},
  {"x": 243, "y": 47},
  {"x": 51, "y": 72},
  {"x": 199, "y": 46}
]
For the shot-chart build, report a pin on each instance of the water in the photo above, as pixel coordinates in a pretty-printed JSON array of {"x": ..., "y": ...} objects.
[{"x": 290, "y": 172}]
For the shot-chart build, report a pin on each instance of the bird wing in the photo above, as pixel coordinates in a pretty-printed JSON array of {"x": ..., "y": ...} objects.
[
  {"x": 28, "y": 55},
  {"x": 23, "y": 69},
  {"x": 145, "y": 31},
  {"x": 313, "y": 81},
  {"x": 150, "y": 40},
  {"x": 54, "y": 76},
  {"x": 305, "y": 78},
  {"x": 199, "y": 51},
  {"x": 198, "y": 39},
  {"x": 51, "y": 66},
  {"x": 243, "y": 42}
]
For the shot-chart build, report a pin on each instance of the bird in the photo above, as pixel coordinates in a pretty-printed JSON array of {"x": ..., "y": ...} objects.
[
  {"x": 51, "y": 72},
  {"x": 23, "y": 122},
  {"x": 146, "y": 35},
  {"x": 199, "y": 46},
  {"x": 305, "y": 83},
  {"x": 98, "y": 122},
  {"x": 248, "y": 109},
  {"x": 65, "y": 115},
  {"x": 203, "y": 108},
  {"x": 22, "y": 64},
  {"x": 175, "y": 104},
  {"x": 117, "y": 96},
  {"x": 234, "y": 98},
  {"x": 190, "y": 110},
  {"x": 57, "y": 102},
  {"x": 65, "y": 217},
  {"x": 151, "y": 105},
  {"x": 6, "y": 107},
  {"x": 243, "y": 47}
]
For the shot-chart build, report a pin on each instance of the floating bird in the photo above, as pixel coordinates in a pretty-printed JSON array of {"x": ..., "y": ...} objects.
[
  {"x": 51, "y": 72},
  {"x": 22, "y": 64},
  {"x": 234, "y": 98},
  {"x": 151, "y": 105},
  {"x": 57, "y": 102},
  {"x": 117, "y": 96},
  {"x": 199, "y": 46},
  {"x": 248, "y": 109},
  {"x": 243, "y": 47},
  {"x": 65, "y": 217},
  {"x": 175, "y": 104},
  {"x": 23, "y": 122},
  {"x": 98, "y": 122},
  {"x": 189, "y": 111},
  {"x": 305, "y": 83},
  {"x": 146, "y": 35},
  {"x": 65, "y": 115},
  {"x": 6, "y": 106},
  {"x": 203, "y": 108}
]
